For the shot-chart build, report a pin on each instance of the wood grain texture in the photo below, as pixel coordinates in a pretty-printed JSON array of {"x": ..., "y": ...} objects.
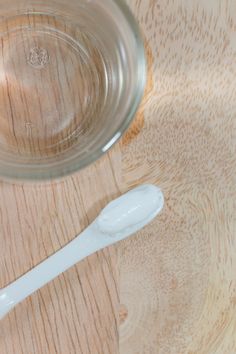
[
  {"x": 178, "y": 276},
  {"x": 172, "y": 288},
  {"x": 77, "y": 313}
]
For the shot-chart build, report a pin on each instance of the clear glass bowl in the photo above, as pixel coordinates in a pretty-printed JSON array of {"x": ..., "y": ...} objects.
[{"x": 72, "y": 74}]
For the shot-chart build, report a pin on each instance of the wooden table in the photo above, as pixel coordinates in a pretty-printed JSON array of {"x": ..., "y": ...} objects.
[{"x": 171, "y": 289}]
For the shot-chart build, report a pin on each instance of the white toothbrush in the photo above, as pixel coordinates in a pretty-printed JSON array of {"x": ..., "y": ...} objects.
[{"x": 120, "y": 219}]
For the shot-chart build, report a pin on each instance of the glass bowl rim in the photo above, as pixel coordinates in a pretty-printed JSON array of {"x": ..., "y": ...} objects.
[{"x": 49, "y": 171}]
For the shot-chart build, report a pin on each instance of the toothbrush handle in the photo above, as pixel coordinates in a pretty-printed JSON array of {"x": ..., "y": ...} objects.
[{"x": 81, "y": 247}]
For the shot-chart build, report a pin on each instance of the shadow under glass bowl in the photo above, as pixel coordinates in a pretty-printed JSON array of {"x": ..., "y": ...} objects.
[{"x": 72, "y": 75}]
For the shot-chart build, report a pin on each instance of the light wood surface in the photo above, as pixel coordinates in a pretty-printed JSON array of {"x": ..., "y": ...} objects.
[{"x": 172, "y": 288}]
